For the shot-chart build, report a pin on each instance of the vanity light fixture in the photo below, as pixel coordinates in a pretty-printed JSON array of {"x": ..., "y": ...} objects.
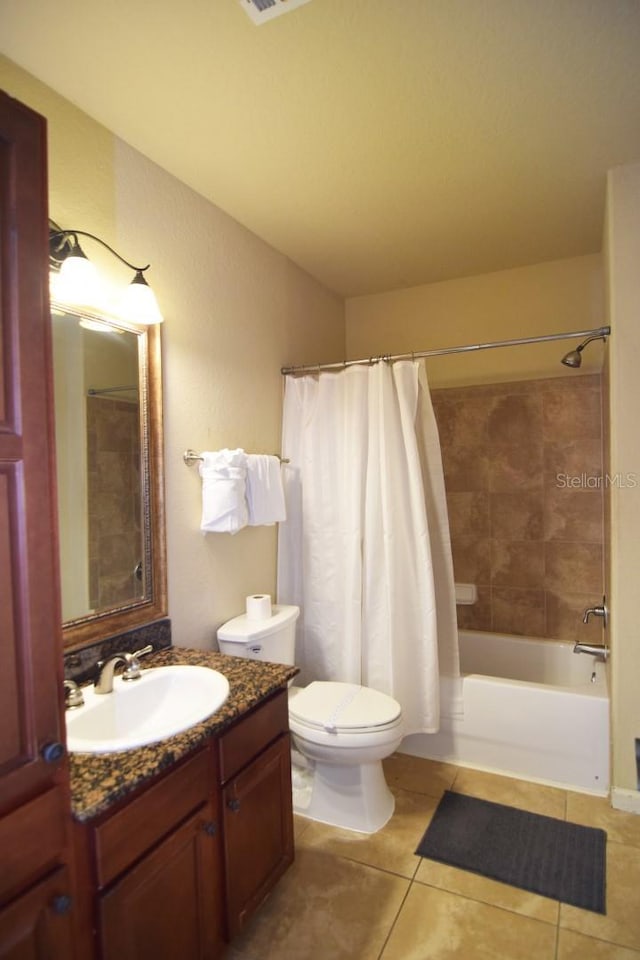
[{"x": 76, "y": 282}]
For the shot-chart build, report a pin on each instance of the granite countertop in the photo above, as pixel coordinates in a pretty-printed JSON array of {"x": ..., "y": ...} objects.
[{"x": 100, "y": 780}]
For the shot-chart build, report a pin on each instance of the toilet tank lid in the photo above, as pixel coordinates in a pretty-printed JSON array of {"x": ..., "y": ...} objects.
[{"x": 241, "y": 628}]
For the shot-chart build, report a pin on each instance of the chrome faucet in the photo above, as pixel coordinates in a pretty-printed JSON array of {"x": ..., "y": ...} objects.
[
  {"x": 598, "y": 650},
  {"x": 106, "y": 668}
]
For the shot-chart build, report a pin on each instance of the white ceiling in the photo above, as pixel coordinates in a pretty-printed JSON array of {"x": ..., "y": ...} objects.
[{"x": 378, "y": 143}]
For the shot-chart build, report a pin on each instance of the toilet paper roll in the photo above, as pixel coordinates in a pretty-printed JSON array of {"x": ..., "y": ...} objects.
[{"x": 259, "y": 606}]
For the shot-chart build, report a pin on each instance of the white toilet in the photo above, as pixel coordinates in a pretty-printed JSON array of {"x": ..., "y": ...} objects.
[{"x": 342, "y": 730}]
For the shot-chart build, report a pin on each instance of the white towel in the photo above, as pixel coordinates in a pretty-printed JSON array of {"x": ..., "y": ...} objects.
[
  {"x": 224, "y": 507},
  {"x": 265, "y": 496}
]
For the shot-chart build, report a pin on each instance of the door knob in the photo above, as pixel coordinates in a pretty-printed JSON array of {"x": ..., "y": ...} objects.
[
  {"x": 52, "y": 752},
  {"x": 61, "y": 904}
]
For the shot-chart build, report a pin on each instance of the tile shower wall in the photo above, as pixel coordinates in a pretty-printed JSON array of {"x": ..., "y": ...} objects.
[
  {"x": 115, "y": 539},
  {"x": 524, "y": 477}
]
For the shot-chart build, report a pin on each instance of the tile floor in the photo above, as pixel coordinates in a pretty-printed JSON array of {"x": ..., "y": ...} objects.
[{"x": 370, "y": 898}]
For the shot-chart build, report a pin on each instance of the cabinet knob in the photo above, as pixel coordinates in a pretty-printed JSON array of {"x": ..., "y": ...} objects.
[
  {"x": 61, "y": 904},
  {"x": 52, "y": 752},
  {"x": 210, "y": 827},
  {"x": 233, "y": 804}
]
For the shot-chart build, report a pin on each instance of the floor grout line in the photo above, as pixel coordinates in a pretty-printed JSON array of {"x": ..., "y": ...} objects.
[{"x": 395, "y": 920}]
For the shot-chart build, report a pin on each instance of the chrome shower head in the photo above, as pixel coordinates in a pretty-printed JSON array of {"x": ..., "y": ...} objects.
[{"x": 574, "y": 357}]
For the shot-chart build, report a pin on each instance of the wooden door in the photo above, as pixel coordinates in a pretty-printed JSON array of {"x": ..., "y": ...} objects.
[
  {"x": 35, "y": 886},
  {"x": 257, "y": 831},
  {"x": 30, "y": 624}
]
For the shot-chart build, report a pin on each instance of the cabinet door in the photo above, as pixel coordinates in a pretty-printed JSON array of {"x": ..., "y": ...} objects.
[
  {"x": 257, "y": 830},
  {"x": 30, "y": 622},
  {"x": 168, "y": 907},
  {"x": 37, "y": 926}
]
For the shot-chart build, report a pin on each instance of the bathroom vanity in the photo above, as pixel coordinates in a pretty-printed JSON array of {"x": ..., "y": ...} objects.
[{"x": 177, "y": 843}]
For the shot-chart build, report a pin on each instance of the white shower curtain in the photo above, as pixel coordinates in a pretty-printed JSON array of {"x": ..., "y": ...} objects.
[{"x": 365, "y": 551}]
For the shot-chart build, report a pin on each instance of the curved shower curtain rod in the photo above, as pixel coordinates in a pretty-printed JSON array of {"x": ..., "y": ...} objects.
[{"x": 598, "y": 332}]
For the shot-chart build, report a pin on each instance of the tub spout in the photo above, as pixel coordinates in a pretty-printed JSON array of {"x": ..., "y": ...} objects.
[{"x": 598, "y": 650}]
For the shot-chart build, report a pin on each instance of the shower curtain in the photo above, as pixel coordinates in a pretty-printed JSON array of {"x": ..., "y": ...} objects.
[{"x": 365, "y": 551}]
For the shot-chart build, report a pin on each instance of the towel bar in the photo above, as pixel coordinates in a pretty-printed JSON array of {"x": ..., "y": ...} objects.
[{"x": 190, "y": 457}]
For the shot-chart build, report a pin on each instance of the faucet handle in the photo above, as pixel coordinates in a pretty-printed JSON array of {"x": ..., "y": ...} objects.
[
  {"x": 599, "y": 611},
  {"x": 132, "y": 671},
  {"x": 73, "y": 696},
  {"x": 144, "y": 651}
]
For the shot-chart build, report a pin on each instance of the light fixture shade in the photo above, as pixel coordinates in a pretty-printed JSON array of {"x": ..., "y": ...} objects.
[
  {"x": 139, "y": 303},
  {"x": 77, "y": 282}
]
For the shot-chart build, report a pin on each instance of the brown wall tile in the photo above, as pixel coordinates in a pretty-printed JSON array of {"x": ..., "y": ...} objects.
[
  {"x": 570, "y": 565},
  {"x": 565, "y": 612},
  {"x": 472, "y": 559},
  {"x": 516, "y": 516},
  {"x": 518, "y": 611},
  {"x": 573, "y": 515},
  {"x": 516, "y": 467},
  {"x": 518, "y": 520},
  {"x": 571, "y": 409},
  {"x": 468, "y": 515},
  {"x": 566, "y": 459},
  {"x": 517, "y": 563},
  {"x": 514, "y": 420}
]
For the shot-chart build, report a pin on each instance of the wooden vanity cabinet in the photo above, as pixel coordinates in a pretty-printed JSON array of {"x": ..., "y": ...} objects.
[
  {"x": 180, "y": 866},
  {"x": 154, "y": 869},
  {"x": 257, "y": 815}
]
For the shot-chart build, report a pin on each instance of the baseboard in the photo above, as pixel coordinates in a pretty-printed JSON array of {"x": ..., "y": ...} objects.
[{"x": 627, "y": 800}]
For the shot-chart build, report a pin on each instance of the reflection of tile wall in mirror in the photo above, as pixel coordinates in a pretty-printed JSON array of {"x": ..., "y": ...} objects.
[
  {"x": 115, "y": 546},
  {"x": 522, "y": 462}
]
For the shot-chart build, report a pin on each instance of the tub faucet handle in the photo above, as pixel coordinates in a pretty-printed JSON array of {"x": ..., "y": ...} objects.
[{"x": 598, "y": 611}]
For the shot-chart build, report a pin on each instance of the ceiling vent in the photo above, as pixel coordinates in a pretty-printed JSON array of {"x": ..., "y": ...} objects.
[{"x": 262, "y": 10}]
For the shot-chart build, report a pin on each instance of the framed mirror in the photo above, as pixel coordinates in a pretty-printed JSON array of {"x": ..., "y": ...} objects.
[{"x": 108, "y": 422}]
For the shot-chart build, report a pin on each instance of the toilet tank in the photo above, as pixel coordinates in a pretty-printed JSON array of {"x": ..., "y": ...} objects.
[{"x": 271, "y": 639}]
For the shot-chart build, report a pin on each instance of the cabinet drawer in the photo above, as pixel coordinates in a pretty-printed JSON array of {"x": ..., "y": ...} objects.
[
  {"x": 32, "y": 839},
  {"x": 39, "y": 924},
  {"x": 252, "y": 734},
  {"x": 134, "y": 829}
]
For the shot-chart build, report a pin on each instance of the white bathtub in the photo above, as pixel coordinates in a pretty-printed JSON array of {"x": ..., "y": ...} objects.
[{"x": 532, "y": 709}]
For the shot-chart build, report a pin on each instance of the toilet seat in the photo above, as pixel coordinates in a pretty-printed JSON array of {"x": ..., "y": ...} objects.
[{"x": 345, "y": 714}]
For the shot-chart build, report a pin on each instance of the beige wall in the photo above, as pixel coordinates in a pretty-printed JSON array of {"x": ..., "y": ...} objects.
[
  {"x": 545, "y": 298},
  {"x": 235, "y": 312},
  {"x": 623, "y": 569},
  {"x": 80, "y": 155}
]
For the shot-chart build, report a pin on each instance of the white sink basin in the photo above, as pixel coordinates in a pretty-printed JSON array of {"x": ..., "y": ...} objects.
[{"x": 162, "y": 702}]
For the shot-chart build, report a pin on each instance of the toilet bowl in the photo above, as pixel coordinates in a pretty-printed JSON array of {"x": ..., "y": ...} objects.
[
  {"x": 345, "y": 731},
  {"x": 341, "y": 732}
]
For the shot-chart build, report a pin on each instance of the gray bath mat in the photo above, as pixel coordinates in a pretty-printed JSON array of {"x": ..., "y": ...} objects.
[{"x": 565, "y": 861}]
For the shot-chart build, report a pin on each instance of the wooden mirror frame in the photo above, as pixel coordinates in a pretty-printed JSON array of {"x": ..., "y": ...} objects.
[{"x": 102, "y": 624}]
